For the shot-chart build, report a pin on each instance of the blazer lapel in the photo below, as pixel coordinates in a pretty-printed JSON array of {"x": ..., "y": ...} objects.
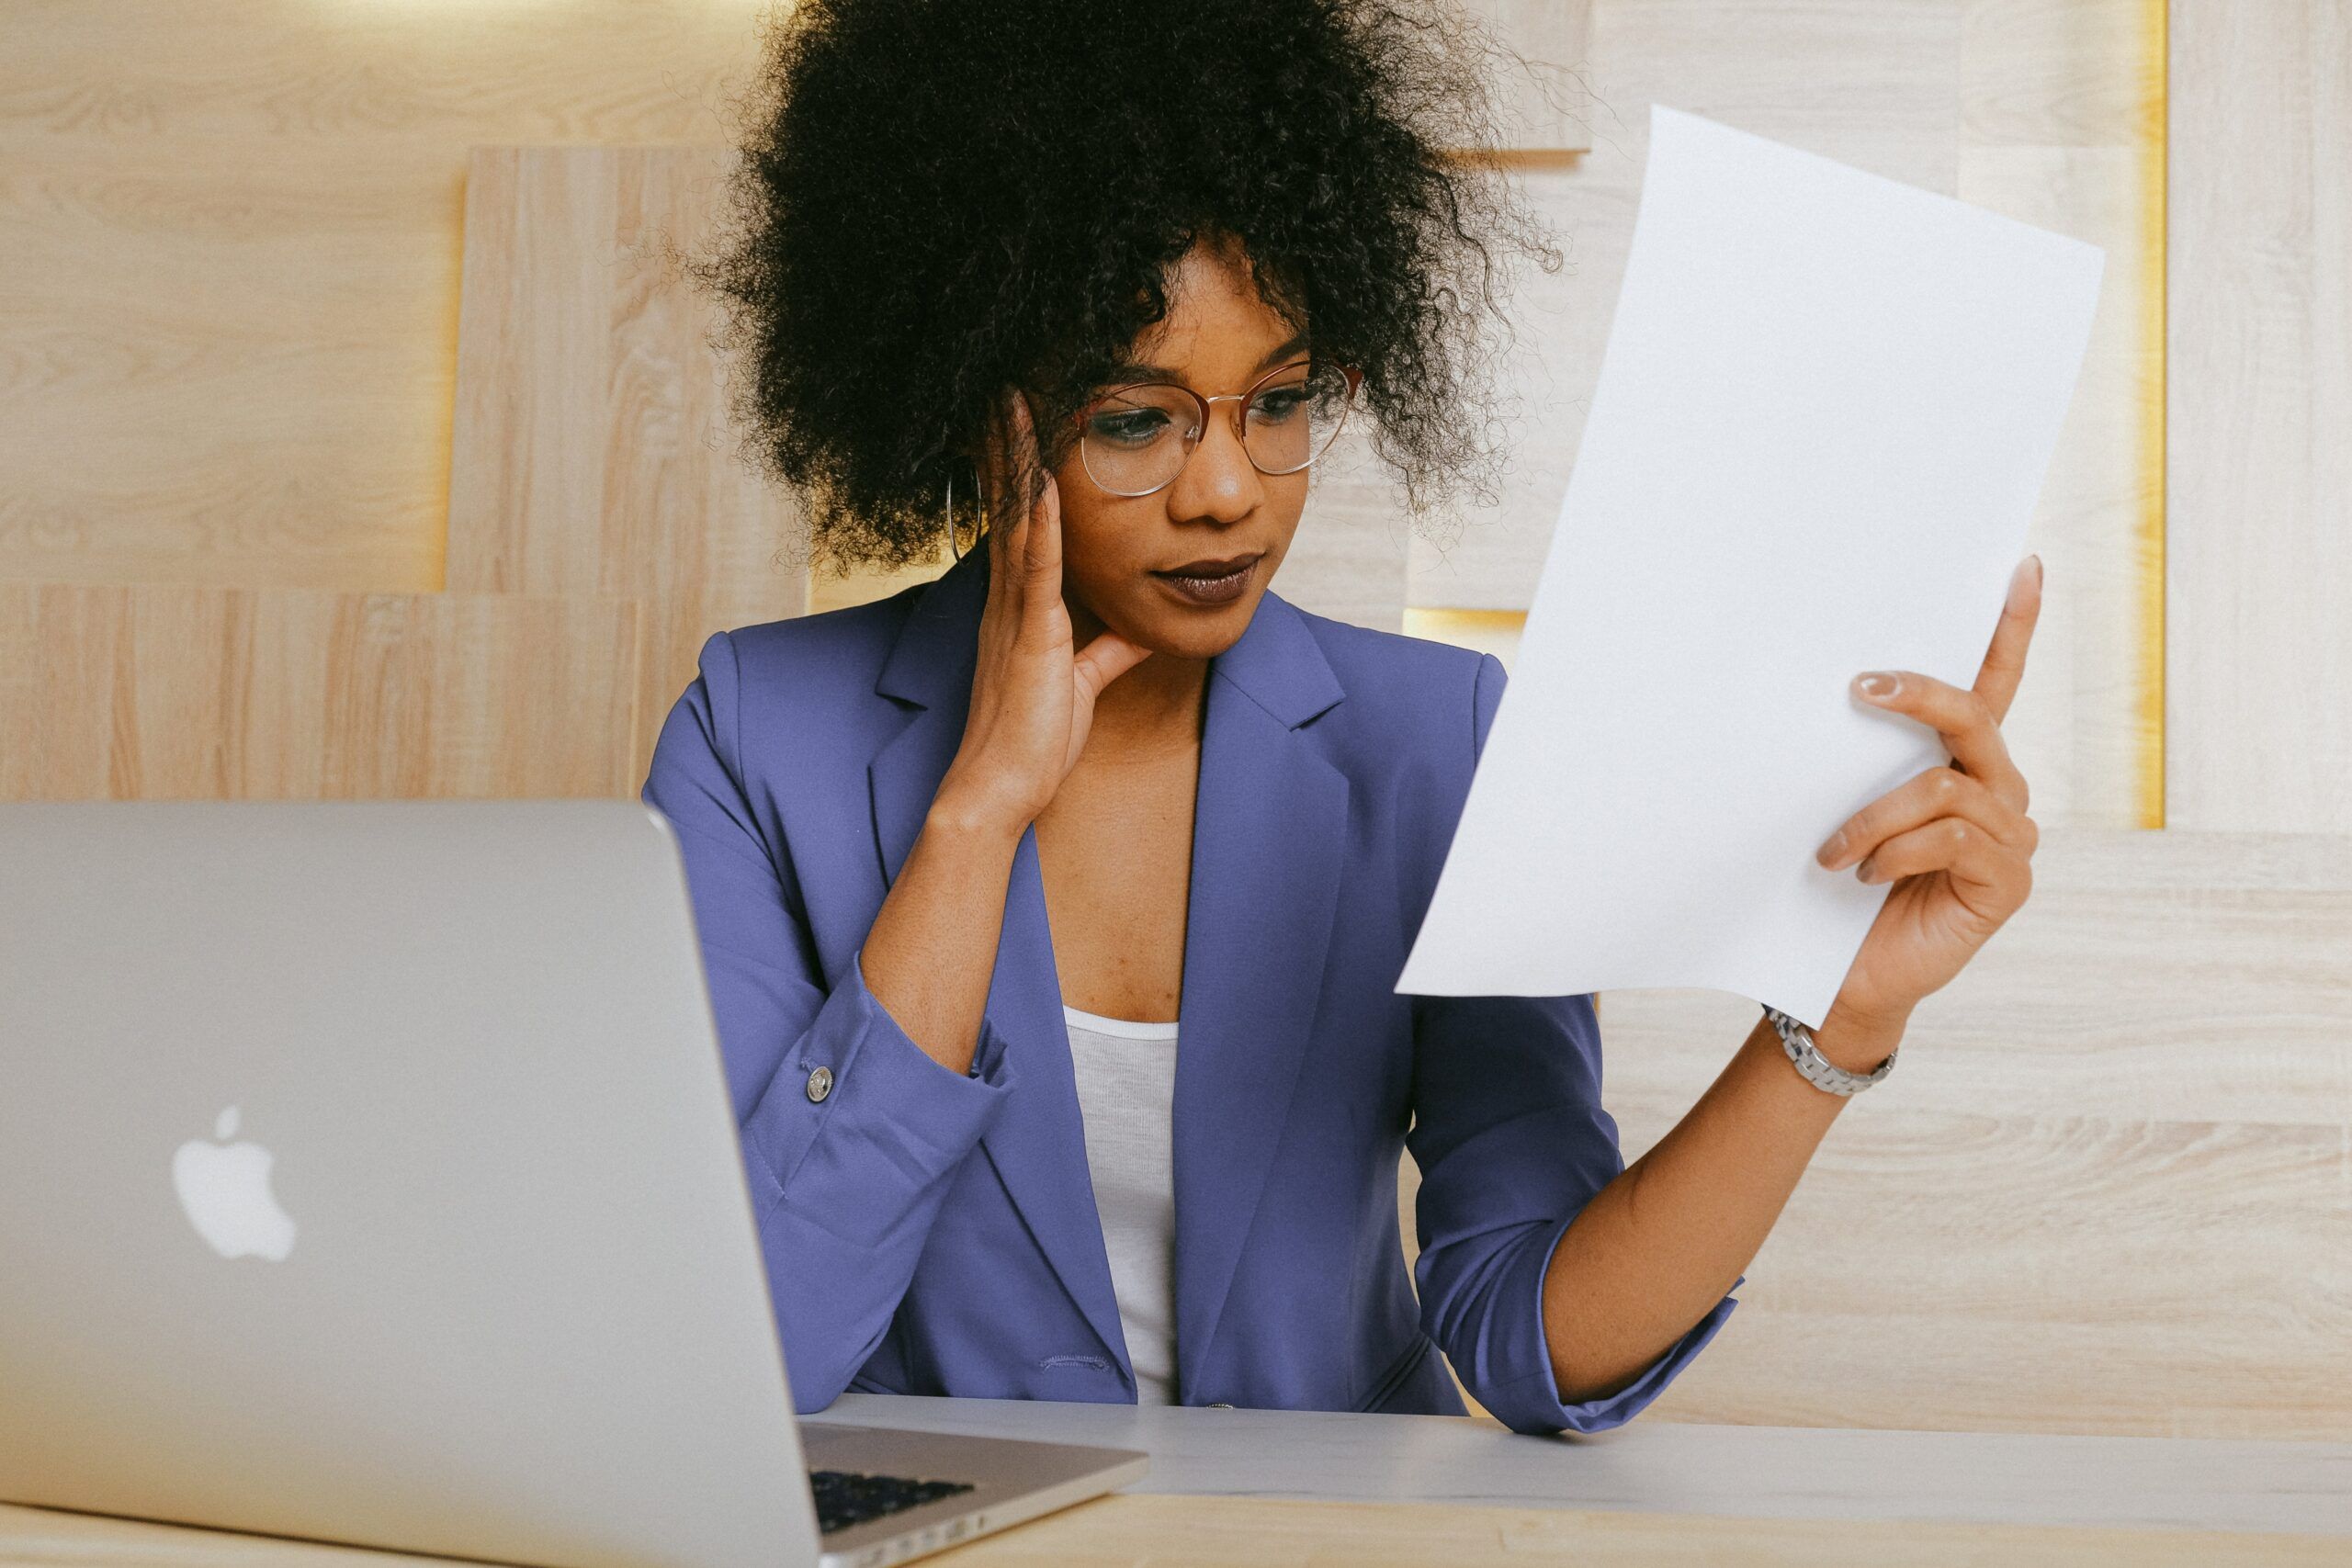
[
  {"x": 1038, "y": 1145},
  {"x": 1269, "y": 837}
]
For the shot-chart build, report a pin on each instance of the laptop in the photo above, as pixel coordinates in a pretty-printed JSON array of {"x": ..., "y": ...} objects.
[{"x": 367, "y": 1174}]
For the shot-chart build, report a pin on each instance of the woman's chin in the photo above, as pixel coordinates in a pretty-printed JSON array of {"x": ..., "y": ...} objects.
[{"x": 1190, "y": 631}]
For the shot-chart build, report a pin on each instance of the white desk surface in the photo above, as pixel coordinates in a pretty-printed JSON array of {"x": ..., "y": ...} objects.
[
  {"x": 1668, "y": 1467},
  {"x": 1275, "y": 1489}
]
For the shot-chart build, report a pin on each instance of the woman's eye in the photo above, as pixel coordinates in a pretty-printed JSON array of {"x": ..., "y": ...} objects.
[
  {"x": 1280, "y": 405},
  {"x": 1129, "y": 427}
]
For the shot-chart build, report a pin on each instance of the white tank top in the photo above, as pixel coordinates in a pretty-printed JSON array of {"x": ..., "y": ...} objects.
[{"x": 1127, "y": 1093}]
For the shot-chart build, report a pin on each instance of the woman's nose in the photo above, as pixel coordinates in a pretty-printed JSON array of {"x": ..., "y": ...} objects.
[{"x": 1218, "y": 478}]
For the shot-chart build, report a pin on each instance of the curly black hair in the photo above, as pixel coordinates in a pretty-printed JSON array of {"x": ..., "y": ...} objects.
[{"x": 940, "y": 198}]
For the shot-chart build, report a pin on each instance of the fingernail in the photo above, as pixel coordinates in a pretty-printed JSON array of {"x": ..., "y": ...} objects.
[
  {"x": 1876, "y": 685},
  {"x": 1867, "y": 871},
  {"x": 1834, "y": 848},
  {"x": 2028, "y": 574}
]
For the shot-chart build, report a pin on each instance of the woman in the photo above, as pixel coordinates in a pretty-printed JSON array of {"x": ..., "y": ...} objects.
[{"x": 967, "y": 861}]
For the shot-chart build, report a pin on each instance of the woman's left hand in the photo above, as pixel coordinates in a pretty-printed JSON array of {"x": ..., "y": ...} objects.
[{"x": 1955, "y": 840}]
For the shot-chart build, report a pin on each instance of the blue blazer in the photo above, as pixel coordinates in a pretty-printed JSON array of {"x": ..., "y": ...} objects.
[{"x": 933, "y": 1232}]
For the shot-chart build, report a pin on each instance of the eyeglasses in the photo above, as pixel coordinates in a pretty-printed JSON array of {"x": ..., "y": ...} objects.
[{"x": 1135, "y": 440}]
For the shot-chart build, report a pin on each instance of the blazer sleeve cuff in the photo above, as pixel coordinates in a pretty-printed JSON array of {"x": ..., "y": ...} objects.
[
  {"x": 891, "y": 1126},
  {"x": 1532, "y": 1403}
]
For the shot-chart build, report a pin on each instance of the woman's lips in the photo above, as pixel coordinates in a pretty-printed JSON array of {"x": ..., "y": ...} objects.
[{"x": 1210, "y": 590}]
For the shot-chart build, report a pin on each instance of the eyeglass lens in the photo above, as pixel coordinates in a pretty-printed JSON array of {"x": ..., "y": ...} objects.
[{"x": 1137, "y": 438}]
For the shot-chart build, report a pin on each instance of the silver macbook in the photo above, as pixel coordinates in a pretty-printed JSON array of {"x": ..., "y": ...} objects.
[{"x": 368, "y": 1175}]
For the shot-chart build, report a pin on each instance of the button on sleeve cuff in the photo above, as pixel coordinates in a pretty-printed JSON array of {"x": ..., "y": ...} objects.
[{"x": 889, "y": 1125}]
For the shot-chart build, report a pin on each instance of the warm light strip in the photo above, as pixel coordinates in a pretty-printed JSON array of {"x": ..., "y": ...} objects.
[
  {"x": 2149, "y": 530},
  {"x": 1488, "y": 631}
]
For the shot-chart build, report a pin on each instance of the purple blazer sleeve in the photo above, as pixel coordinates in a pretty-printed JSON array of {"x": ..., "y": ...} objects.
[
  {"x": 1513, "y": 1142},
  {"x": 844, "y": 1189}
]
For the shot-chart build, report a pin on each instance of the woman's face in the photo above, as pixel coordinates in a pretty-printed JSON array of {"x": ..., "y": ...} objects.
[{"x": 1218, "y": 336}]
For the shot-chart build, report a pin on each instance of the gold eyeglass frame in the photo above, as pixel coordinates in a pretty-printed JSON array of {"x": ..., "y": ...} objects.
[{"x": 1354, "y": 379}]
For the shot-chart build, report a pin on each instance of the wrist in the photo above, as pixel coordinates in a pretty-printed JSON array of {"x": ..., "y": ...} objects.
[
  {"x": 1856, "y": 1042},
  {"x": 970, "y": 816}
]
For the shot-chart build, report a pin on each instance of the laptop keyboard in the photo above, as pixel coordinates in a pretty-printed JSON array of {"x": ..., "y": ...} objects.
[{"x": 845, "y": 1497}]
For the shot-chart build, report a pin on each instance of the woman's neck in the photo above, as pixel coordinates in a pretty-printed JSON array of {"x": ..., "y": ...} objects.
[{"x": 1152, "y": 708}]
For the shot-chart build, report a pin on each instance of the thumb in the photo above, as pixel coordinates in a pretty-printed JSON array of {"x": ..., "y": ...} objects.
[{"x": 1107, "y": 658}]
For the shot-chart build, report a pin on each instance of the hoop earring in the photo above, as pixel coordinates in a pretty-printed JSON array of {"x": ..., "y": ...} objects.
[{"x": 949, "y": 508}]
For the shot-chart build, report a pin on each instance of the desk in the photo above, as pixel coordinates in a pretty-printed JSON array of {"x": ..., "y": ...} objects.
[{"x": 1251, "y": 1487}]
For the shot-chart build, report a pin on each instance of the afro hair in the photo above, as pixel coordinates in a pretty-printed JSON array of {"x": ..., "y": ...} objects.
[{"x": 938, "y": 199}]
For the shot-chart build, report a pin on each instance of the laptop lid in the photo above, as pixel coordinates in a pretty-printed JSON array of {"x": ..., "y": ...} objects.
[{"x": 368, "y": 1173}]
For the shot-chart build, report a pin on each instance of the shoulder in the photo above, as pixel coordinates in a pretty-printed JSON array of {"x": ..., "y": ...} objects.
[
  {"x": 849, "y": 643},
  {"x": 776, "y": 698},
  {"x": 1437, "y": 699},
  {"x": 1408, "y": 735},
  {"x": 806, "y": 669}
]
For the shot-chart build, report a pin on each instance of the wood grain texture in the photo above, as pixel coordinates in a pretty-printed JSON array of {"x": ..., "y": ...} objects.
[
  {"x": 231, "y": 234},
  {"x": 1245, "y": 1533},
  {"x": 2058, "y": 73},
  {"x": 223, "y": 365},
  {"x": 2109, "y": 1189},
  {"x": 594, "y": 453},
  {"x": 110, "y": 693},
  {"x": 2258, "y": 442}
]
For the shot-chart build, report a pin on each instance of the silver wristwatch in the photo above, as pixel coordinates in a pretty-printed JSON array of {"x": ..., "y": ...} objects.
[{"x": 1818, "y": 1070}]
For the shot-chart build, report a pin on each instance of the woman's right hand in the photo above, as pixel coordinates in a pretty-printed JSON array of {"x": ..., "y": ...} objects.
[{"x": 1033, "y": 695}]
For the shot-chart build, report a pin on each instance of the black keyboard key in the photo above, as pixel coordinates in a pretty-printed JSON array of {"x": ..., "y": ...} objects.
[{"x": 845, "y": 1497}]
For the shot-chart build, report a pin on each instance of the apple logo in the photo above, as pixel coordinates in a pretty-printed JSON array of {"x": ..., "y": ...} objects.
[{"x": 224, "y": 1186}]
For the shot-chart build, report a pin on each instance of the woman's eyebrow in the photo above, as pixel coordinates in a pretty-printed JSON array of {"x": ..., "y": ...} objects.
[{"x": 1162, "y": 373}]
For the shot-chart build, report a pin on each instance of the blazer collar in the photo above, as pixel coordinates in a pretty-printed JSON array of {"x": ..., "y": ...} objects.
[{"x": 1270, "y": 830}]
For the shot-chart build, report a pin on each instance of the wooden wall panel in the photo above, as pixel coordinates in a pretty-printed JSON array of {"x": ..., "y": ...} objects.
[
  {"x": 2259, "y": 444},
  {"x": 221, "y": 364},
  {"x": 592, "y": 453},
  {"x": 161, "y": 694},
  {"x": 231, "y": 236},
  {"x": 2107, "y": 1188},
  {"x": 2060, "y": 72}
]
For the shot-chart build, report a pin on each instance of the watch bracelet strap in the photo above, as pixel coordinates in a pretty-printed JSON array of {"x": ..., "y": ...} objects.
[{"x": 1817, "y": 1069}]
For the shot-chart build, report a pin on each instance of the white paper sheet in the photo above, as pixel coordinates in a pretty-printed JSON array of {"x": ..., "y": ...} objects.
[{"x": 1826, "y": 409}]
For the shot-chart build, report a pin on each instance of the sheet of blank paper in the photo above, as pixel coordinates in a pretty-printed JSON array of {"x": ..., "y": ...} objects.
[{"x": 1826, "y": 409}]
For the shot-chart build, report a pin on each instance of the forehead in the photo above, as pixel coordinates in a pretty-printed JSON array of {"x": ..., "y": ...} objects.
[{"x": 1218, "y": 327}]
